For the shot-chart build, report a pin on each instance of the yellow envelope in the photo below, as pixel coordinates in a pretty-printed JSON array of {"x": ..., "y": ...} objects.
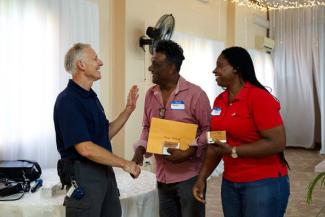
[
  {"x": 212, "y": 136},
  {"x": 164, "y": 134}
]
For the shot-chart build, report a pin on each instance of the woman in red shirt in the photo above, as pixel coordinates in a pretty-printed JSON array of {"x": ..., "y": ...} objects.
[{"x": 255, "y": 180}]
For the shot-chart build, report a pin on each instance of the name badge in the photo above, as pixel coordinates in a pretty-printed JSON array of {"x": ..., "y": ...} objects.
[
  {"x": 216, "y": 111},
  {"x": 177, "y": 105}
]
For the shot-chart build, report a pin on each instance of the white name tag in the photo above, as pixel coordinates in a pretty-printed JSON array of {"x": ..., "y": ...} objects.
[
  {"x": 177, "y": 105},
  {"x": 216, "y": 111}
]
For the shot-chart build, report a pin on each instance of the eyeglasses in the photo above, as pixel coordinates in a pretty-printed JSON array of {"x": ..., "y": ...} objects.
[{"x": 162, "y": 112}]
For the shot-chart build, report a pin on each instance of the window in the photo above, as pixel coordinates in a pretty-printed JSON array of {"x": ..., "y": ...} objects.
[
  {"x": 200, "y": 60},
  {"x": 34, "y": 36}
]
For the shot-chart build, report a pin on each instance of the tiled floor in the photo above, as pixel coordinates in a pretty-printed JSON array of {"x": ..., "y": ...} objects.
[{"x": 302, "y": 163}]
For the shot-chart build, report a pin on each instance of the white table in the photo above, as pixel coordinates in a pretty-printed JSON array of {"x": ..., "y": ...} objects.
[{"x": 138, "y": 198}]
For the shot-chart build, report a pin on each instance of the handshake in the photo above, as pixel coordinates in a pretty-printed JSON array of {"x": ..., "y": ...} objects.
[{"x": 133, "y": 167}]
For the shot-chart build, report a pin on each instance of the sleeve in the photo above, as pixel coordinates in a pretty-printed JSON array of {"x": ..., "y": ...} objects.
[
  {"x": 143, "y": 140},
  {"x": 72, "y": 124},
  {"x": 202, "y": 114},
  {"x": 265, "y": 110}
]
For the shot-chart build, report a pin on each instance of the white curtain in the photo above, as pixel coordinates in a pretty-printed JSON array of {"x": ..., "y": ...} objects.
[
  {"x": 200, "y": 60},
  {"x": 34, "y": 36},
  {"x": 299, "y": 38},
  {"x": 264, "y": 69},
  {"x": 318, "y": 50}
]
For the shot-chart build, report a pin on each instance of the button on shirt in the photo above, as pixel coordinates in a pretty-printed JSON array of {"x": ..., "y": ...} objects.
[
  {"x": 79, "y": 117},
  {"x": 196, "y": 109},
  {"x": 253, "y": 110}
]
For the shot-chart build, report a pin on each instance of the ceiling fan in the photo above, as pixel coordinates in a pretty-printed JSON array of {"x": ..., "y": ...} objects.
[{"x": 163, "y": 30}]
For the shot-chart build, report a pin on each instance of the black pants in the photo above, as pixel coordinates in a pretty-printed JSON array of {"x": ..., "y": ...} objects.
[
  {"x": 101, "y": 193},
  {"x": 176, "y": 200}
]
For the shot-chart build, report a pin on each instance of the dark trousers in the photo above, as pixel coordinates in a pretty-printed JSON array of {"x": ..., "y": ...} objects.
[
  {"x": 176, "y": 200},
  {"x": 101, "y": 193}
]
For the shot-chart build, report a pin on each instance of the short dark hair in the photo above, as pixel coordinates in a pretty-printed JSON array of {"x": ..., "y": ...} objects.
[
  {"x": 173, "y": 52},
  {"x": 240, "y": 59}
]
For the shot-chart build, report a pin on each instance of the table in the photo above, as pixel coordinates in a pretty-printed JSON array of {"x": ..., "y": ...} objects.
[{"x": 139, "y": 198}]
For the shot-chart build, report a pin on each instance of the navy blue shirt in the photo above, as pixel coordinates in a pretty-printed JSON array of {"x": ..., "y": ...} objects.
[{"x": 79, "y": 117}]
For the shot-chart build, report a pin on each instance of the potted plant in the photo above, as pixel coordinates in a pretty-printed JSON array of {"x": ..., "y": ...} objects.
[{"x": 319, "y": 178}]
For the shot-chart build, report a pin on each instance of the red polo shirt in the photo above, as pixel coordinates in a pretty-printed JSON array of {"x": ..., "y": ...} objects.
[{"x": 253, "y": 110}]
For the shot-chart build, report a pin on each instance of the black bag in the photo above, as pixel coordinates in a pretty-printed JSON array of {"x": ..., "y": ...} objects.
[
  {"x": 20, "y": 170},
  {"x": 65, "y": 171},
  {"x": 15, "y": 178},
  {"x": 10, "y": 188}
]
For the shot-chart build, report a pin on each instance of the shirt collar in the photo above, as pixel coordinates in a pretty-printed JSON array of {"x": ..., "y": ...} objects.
[
  {"x": 79, "y": 90},
  {"x": 182, "y": 85},
  {"x": 242, "y": 94}
]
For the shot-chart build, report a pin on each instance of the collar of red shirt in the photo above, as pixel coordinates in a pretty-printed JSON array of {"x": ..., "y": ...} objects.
[{"x": 242, "y": 94}]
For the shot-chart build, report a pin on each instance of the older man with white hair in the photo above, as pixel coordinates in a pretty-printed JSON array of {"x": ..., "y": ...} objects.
[{"x": 83, "y": 137}]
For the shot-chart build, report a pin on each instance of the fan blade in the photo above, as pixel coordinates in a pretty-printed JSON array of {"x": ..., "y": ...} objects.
[{"x": 166, "y": 26}]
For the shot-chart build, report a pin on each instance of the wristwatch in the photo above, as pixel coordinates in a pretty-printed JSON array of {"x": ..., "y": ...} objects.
[{"x": 234, "y": 152}]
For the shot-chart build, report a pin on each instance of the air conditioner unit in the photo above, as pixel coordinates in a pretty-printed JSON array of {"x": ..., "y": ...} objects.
[
  {"x": 261, "y": 22},
  {"x": 264, "y": 43}
]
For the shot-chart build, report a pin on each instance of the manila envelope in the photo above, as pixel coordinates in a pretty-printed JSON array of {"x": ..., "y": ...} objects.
[
  {"x": 164, "y": 134},
  {"x": 213, "y": 136}
]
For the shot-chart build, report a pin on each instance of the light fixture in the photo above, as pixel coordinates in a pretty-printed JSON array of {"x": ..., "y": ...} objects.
[{"x": 279, "y": 4}]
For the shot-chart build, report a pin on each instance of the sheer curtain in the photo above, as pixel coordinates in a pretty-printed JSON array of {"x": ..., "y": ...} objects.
[
  {"x": 318, "y": 50},
  {"x": 264, "y": 69},
  {"x": 299, "y": 38},
  {"x": 200, "y": 60},
  {"x": 34, "y": 36}
]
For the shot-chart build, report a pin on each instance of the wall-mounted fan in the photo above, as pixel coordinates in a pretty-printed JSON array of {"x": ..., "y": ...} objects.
[{"x": 163, "y": 30}]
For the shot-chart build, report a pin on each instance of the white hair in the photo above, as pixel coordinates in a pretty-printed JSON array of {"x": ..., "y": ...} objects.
[{"x": 73, "y": 55}]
